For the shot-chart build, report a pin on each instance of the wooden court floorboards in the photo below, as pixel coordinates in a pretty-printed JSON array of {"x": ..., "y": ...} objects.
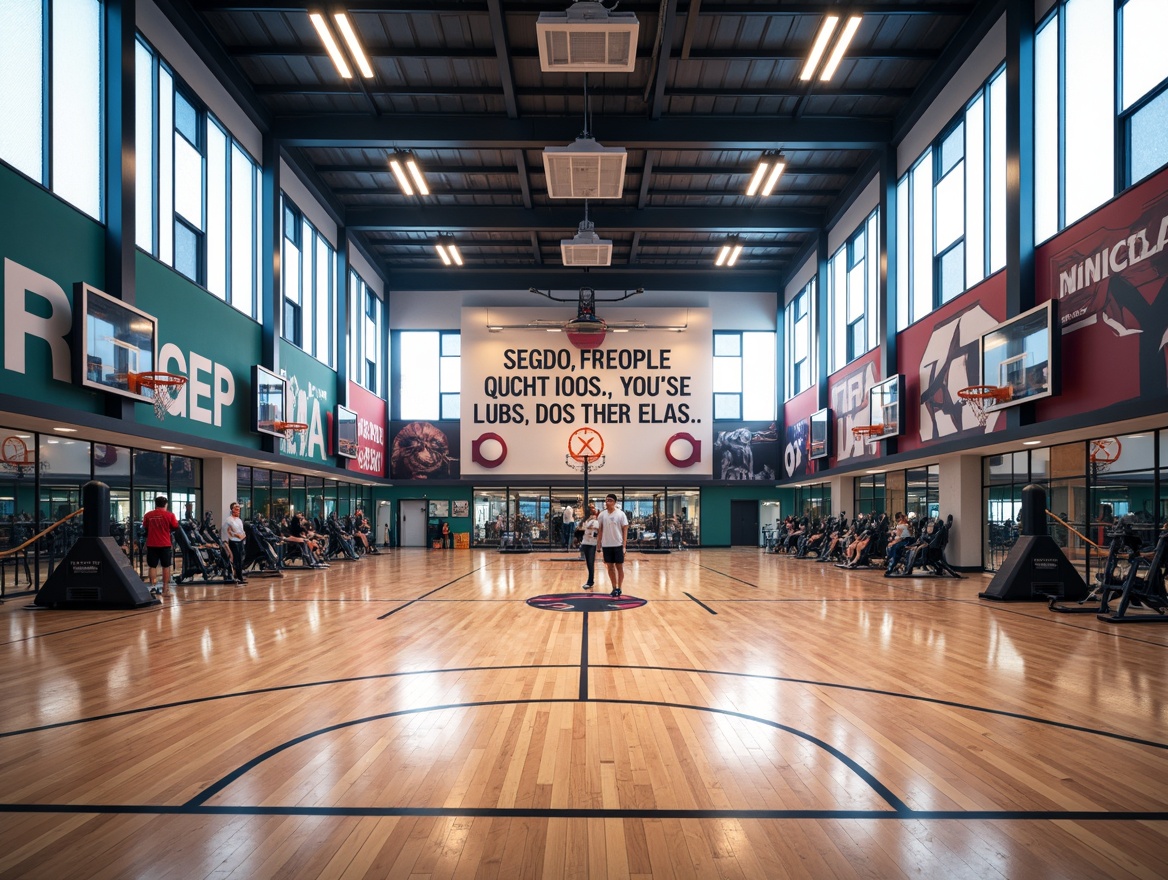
[{"x": 411, "y": 716}]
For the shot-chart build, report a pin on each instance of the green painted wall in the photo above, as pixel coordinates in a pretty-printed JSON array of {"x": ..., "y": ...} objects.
[
  {"x": 45, "y": 247},
  {"x": 394, "y": 494},
  {"x": 312, "y": 396},
  {"x": 715, "y": 512},
  {"x": 209, "y": 342}
]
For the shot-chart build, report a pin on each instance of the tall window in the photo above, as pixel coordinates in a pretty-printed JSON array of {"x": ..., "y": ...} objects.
[
  {"x": 1086, "y": 94},
  {"x": 430, "y": 377},
  {"x": 744, "y": 376},
  {"x": 365, "y": 334},
  {"x": 1144, "y": 79},
  {"x": 51, "y": 96},
  {"x": 951, "y": 208},
  {"x": 310, "y": 295},
  {"x": 197, "y": 189},
  {"x": 800, "y": 349},
  {"x": 852, "y": 295}
]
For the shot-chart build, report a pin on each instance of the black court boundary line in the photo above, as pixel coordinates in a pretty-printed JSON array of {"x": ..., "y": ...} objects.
[
  {"x": 577, "y": 813},
  {"x": 700, "y": 602},
  {"x": 431, "y": 593},
  {"x": 134, "y": 612},
  {"x": 242, "y": 770},
  {"x": 1077, "y": 728}
]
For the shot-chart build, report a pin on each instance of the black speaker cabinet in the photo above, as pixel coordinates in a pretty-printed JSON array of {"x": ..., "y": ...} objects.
[
  {"x": 95, "y": 573},
  {"x": 1036, "y": 570}
]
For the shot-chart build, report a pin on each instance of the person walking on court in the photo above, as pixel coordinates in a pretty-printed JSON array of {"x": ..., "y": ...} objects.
[
  {"x": 568, "y": 529},
  {"x": 591, "y": 528},
  {"x": 235, "y": 535},
  {"x": 614, "y": 539},
  {"x": 159, "y": 523}
]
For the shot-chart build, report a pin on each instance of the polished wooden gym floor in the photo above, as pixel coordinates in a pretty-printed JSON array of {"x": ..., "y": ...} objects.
[{"x": 410, "y": 715}]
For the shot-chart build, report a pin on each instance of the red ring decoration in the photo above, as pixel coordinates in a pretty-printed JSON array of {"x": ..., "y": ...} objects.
[
  {"x": 477, "y": 457},
  {"x": 695, "y": 454}
]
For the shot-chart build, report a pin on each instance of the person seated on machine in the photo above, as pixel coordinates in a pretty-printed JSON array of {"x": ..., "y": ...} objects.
[
  {"x": 855, "y": 553},
  {"x": 898, "y": 542},
  {"x": 361, "y": 531},
  {"x": 303, "y": 537}
]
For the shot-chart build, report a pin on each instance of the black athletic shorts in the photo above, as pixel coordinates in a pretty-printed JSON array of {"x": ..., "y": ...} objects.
[
  {"x": 614, "y": 554},
  {"x": 156, "y": 556}
]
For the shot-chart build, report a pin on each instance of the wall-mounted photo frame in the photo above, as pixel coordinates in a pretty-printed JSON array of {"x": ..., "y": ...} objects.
[
  {"x": 460, "y": 508},
  {"x": 439, "y": 508}
]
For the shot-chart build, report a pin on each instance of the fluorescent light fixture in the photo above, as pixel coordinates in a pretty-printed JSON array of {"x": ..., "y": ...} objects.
[
  {"x": 66, "y": 430},
  {"x": 779, "y": 166},
  {"x": 355, "y": 50},
  {"x": 766, "y": 175},
  {"x": 819, "y": 47},
  {"x": 399, "y": 174},
  {"x": 554, "y": 329},
  {"x": 448, "y": 251},
  {"x": 416, "y": 174},
  {"x": 164, "y": 446},
  {"x": 841, "y": 46},
  {"x": 756, "y": 178},
  {"x": 729, "y": 253},
  {"x": 330, "y": 44},
  {"x": 1031, "y": 442}
]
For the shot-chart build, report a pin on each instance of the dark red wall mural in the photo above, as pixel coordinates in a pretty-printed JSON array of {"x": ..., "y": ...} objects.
[
  {"x": 940, "y": 355},
  {"x": 1109, "y": 273},
  {"x": 795, "y": 414},
  {"x": 848, "y": 396}
]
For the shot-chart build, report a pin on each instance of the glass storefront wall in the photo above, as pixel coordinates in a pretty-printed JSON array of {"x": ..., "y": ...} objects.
[
  {"x": 812, "y": 501},
  {"x": 658, "y": 517},
  {"x": 41, "y": 476},
  {"x": 1091, "y": 486}
]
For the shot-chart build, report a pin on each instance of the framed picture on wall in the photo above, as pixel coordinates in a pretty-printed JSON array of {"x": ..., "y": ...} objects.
[
  {"x": 439, "y": 508},
  {"x": 460, "y": 508}
]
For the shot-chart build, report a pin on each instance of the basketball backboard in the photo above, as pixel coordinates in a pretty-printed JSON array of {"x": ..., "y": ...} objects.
[
  {"x": 269, "y": 400},
  {"x": 347, "y": 440},
  {"x": 1021, "y": 354},
  {"x": 885, "y": 407},
  {"x": 112, "y": 340},
  {"x": 818, "y": 434}
]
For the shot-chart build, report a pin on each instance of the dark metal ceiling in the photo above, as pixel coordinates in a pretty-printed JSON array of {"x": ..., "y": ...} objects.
[{"x": 459, "y": 84}]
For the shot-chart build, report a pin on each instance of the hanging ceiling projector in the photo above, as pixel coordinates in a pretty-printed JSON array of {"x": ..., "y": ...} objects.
[
  {"x": 587, "y": 38},
  {"x": 584, "y": 170},
  {"x": 586, "y": 248}
]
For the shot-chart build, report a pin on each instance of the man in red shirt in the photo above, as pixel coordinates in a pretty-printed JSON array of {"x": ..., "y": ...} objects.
[{"x": 159, "y": 523}]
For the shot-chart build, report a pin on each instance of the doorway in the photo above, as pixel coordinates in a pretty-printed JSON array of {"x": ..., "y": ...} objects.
[
  {"x": 744, "y": 523},
  {"x": 412, "y": 517}
]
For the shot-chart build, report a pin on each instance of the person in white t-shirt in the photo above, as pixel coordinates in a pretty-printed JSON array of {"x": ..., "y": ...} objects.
[
  {"x": 591, "y": 528},
  {"x": 235, "y": 536},
  {"x": 614, "y": 539},
  {"x": 568, "y": 529}
]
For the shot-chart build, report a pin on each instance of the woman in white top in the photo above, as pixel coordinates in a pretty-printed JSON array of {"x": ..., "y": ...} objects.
[{"x": 591, "y": 528}]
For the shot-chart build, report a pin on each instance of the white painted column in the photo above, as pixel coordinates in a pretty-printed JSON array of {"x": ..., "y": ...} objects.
[
  {"x": 959, "y": 492},
  {"x": 219, "y": 487}
]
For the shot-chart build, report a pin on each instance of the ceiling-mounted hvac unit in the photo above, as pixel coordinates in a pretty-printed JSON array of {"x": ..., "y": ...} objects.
[
  {"x": 586, "y": 248},
  {"x": 587, "y": 38},
  {"x": 584, "y": 170}
]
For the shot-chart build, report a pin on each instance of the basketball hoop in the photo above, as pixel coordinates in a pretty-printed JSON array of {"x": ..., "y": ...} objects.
[
  {"x": 164, "y": 389},
  {"x": 977, "y": 397},
  {"x": 591, "y": 462},
  {"x": 867, "y": 433},
  {"x": 16, "y": 456},
  {"x": 1105, "y": 452},
  {"x": 289, "y": 429}
]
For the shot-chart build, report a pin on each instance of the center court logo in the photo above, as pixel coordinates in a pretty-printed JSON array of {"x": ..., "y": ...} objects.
[{"x": 585, "y": 602}]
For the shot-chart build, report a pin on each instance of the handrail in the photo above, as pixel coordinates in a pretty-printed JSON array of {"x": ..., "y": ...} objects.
[
  {"x": 37, "y": 537},
  {"x": 1076, "y": 531}
]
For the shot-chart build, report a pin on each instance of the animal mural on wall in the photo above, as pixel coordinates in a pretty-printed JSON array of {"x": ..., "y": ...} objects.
[
  {"x": 421, "y": 450},
  {"x": 849, "y": 402},
  {"x": 746, "y": 453},
  {"x": 952, "y": 361}
]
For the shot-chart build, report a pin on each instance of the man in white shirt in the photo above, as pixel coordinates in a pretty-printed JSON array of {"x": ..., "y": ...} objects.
[
  {"x": 569, "y": 527},
  {"x": 614, "y": 539},
  {"x": 235, "y": 535}
]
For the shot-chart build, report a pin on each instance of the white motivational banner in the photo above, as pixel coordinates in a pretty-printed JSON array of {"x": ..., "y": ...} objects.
[{"x": 644, "y": 394}]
